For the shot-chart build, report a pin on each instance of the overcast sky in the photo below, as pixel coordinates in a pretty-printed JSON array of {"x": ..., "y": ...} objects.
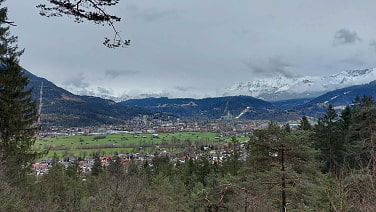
[{"x": 197, "y": 48}]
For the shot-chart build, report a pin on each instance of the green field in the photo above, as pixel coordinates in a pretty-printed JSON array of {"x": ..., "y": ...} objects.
[{"x": 115, "y": 143}]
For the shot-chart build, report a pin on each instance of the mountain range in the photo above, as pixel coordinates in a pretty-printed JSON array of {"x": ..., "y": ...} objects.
[
  {"x": 62, "y": 108},
  {"x": 272, "y": 89},
  {"x": 283, "y": 88}
]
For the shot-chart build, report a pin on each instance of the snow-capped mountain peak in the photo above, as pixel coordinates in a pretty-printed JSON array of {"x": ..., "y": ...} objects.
[{"x": 280, "y": 87}]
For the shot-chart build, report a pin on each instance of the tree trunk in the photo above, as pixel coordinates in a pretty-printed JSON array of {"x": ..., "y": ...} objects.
[{"x": 283, "y": 183}]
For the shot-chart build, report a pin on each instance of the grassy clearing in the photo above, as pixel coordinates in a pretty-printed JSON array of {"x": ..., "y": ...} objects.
[
  {"x": 96, "y": 141},
  {"x": 84, "y": 146},
  {"x": 111, "y": 144}
]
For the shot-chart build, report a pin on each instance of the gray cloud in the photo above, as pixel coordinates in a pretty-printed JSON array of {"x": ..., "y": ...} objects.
[
  {"x": 150, "y": 14},
  {"x": 355, "y": 60},
  {"x": 86, "y": 92},
  {"x": 77, "y": 81},
  {"x": 111, "y": 74},
  {"x": 182, "y": 89},
  {"x": 345, "y": 36},
  {"x": 372, "y": 44},
  {"x": 271, "y": 67},
  {"x": 153, "y": 15},
  {"x": 104, "y": 90}
]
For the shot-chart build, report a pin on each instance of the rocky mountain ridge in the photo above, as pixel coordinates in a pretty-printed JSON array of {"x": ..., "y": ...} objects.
[{"x": 283, "y": 88}]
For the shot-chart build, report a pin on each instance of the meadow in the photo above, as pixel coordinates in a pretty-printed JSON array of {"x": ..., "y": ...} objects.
[{"x": 83, "y": 145}]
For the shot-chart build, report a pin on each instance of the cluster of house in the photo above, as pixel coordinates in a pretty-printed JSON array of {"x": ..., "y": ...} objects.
[
  {"x": 145, "y": 125},
  {"x": 86, "y": 164},
  {"x": 213, "y": 153},
  {"x": 139, "y": 126}
]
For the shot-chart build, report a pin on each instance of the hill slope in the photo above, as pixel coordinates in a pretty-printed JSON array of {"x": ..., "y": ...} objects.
[
  {"x": 62, "y": 108},
  {"x": 208, "y": 108},
  {"x": 339, "y": 98}
]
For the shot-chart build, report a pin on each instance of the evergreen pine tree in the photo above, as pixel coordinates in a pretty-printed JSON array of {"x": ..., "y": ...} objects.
[
  {"x": 346, "y": 115},
  {"x": 282, "y": 164},
  {"x": 304, "y": 124},
  {"x": 361, "y": 137},
  {"x": 232, "y": 163},
  {"x": 328, "y": 140},
  {"x": 287, "y": 128},
  {"x": 18, "y": 113},
  {"x": 8, "y": 42}
]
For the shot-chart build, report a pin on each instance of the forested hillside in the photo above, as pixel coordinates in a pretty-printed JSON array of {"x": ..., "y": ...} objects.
[
  {"x": 59, "y": 107},
  {"x": 207, "y": 108},
  {"x": 339, "y": 99}
]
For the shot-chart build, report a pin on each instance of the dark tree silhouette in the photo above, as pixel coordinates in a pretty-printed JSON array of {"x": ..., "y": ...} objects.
[
  {"x": 94, "y": 11},
  {"x": 18, "y": 112}
]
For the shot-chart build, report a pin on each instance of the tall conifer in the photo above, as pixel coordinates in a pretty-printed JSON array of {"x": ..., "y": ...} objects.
[
  {"x": 18, "y": 113},
  {"x": 304, "y": 124},
  {"x": 361, "y": 137},
  {"x": 328, "y": 140},
  {"x": 284, "y": 165}
]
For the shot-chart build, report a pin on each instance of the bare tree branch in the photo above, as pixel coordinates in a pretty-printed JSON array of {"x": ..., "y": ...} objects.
[{"x": 87, "y": 10}]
